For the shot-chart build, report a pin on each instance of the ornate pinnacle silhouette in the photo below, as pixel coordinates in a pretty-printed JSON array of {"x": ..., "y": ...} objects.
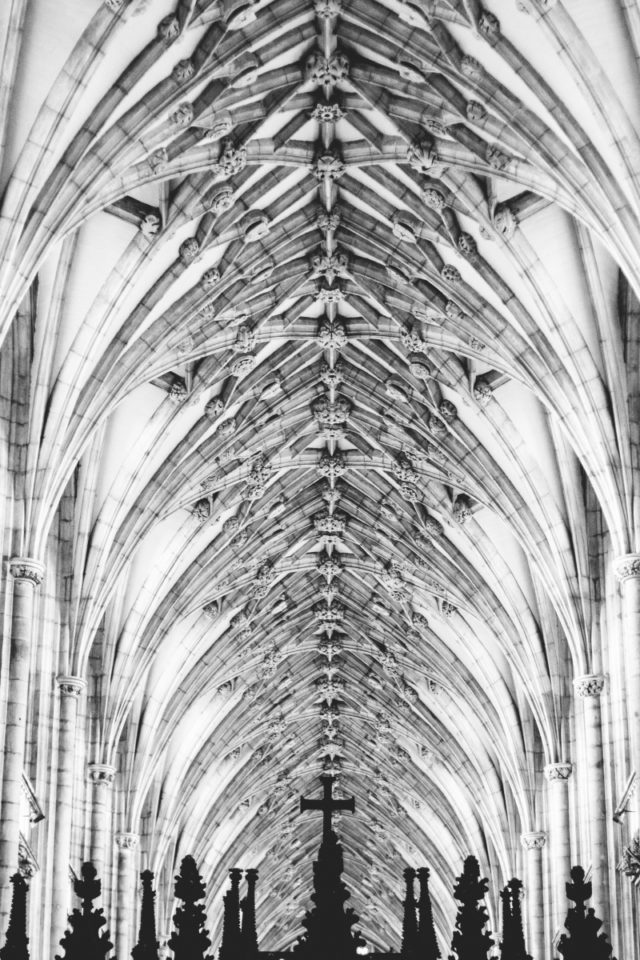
[
  {"x": 408, "y": 949},
  {"x": 16, "y": 944},
  {"x": 328, "y": 923},
  {"x": 231, "y": 946},
  {"x": 190, "y": 939},
  {"x": 427, "y": 941},
  {"x": 147, "y": 945},
  {"x": 248, "y": 934},
  {"x": 583, "y": 925},
  {"x": 512, "y": 946},
  {"x": 84, "y": 939},
  {"x": 470, "y": 941}
]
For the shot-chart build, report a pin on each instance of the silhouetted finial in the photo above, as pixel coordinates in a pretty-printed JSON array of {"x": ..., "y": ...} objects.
[
  {"x": 231, "y": 947},
  {"x": 328, "y": 923},
  {"x": 147, "y": 946},
  {"x": 427, "y": 941},
  {"x": 84, "y": 938},
  {"x": 584, "y": 940},
  {"x": 408, "y": 949},
  {"x": 16, "y": 944},
  {"x": 190, "y": 939},
  {"x": 470, "y": 938},
  {"x": 513, "y": 945},
  {"x": 248, "y": 934}
]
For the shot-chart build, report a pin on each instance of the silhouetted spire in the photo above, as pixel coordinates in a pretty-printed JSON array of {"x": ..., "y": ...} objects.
[
  {"x": 583, "y": 925},
  {"x": 408, "y": 950},
  {"x": 328, "y": 923},
  {"x": 427, "y": 941},
  {"x": 16, "y": 944},
  {"x": 470, "y": 941},
  {"x": 190, "y": 939},
  {"x": 84, "y": 939},
  {"x": 230, "y": 948},
  {"x": 248, "y": 934},
  {"x": 512, "y": 946},
  {"x": 147, "y": 945}
]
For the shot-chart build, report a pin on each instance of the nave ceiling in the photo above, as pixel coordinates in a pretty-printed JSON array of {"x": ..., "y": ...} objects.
[{"x": 320, "y": 310}]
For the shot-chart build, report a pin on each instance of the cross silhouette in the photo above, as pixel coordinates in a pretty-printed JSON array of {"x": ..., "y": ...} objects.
[{"x": 328, "y": 805}]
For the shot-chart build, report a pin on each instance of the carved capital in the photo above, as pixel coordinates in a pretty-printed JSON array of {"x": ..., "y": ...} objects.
[
  {"x": 627, "y": 566},
  {"x": 26, "y": 568},
  {"x": 126, "y": 842},
  {"x": 589, "y": 685},
  {"x": 533, "y": 841},
  {"x": 101, "y": 774},
  {"x": 558, "y": 771},
  {"x": 70, "y": 686}
]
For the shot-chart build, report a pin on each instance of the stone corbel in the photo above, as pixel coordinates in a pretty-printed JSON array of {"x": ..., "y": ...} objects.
[
  {"x": 623, "y": 807},
  {"x": 630, "y": 861},
  {"x": 28, "y": 866},
  {"x": 35, "y": 810}
]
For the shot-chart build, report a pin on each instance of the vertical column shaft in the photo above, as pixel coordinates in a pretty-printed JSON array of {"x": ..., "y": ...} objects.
[
  {"x": 126, "y": 844},
  {"x": 28, "y": 575},
  {"x": 558, "y": 775},
  {"x": 101, "y": 775},
  {"x": 589, "y": 688},
  {"x": 627, "y": 571},
  {"x": 533, "y": 844},
  {"x": 69, "y": 689}
]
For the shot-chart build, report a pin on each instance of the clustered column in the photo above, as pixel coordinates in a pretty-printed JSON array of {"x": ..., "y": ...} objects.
[
  {"x": 533, "y": 844},
  {"x": 69, "y": 689},
  {"x": 627, "y": 571},
  {"x": 28, "y": 574},
  {"x": 101, "y": 775},
  {"x": 558, "y": 775},
  {"x": 588, "y": 688},
  {"x": 126, "y": 844}
]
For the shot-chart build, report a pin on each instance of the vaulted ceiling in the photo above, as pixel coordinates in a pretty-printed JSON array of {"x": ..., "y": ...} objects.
[{"x": 327, "y": 304}]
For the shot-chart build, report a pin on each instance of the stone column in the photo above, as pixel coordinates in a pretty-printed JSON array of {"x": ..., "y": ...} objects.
[
  {"x": 588, "y": 688},
  {"x": 101, "y": 775},
  {"x": 69, "y": 689},
  {"x": 558, "y": 775},
  {"x": 28, "y": 574},
  {"x": 627, "y": 571},
  {"x": 533, "y": 844},
  {"x": 126, "y": 844}
]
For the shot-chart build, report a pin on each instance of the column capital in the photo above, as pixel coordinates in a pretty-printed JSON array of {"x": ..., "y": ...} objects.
[
  {"x": 26, "y": 568},
  {"x": 627, "y": 566},
  {"x": 126, "y": 841},
  {"x": 101, "y": 774},
  {"x": 558, "y": 771},
  {"x": 533, "y": 841},
  {"x": 589, "y": 685},
  {"x": 70, "y": 686}
]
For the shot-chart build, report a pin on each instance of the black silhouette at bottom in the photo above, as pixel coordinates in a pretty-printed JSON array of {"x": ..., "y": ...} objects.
[{"x": 330, "y": 931}]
